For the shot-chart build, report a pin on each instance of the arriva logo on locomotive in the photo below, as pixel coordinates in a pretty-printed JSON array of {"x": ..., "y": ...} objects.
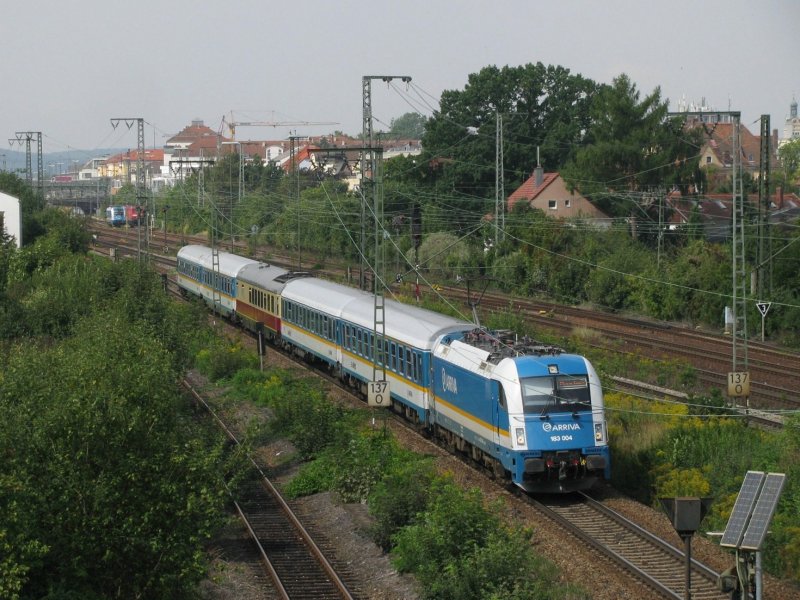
[
  {"x": 449, "y": 383},
  {"x": 560, "y": 427}
]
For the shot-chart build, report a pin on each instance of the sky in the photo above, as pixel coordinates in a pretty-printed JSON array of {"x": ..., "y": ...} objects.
[{"x": 70, "y": 67}]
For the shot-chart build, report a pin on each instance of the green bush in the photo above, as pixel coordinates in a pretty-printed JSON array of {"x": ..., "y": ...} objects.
[
  {"x": 361, "y": 463},
  {"x": 223, "y": 359},
  {"x": 454, "y": 522},
  {"x": 398, "y": 498},
  {"x": 504, "y": 568},
  {"x": 307, "y": 418},
  {"x": 314, "y": 477}
]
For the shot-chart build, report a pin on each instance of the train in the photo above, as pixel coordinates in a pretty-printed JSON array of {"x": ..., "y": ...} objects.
[
  {"x": 530, "y": 413},
  {"x": 123, "y": 214}
]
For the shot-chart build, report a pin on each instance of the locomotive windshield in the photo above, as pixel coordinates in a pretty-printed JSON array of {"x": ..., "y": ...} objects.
[{"x": 559, "y": 393}]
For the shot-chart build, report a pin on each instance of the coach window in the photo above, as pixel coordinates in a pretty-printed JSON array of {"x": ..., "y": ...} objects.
[
  {"x": 414, "y": 367},
  {"x": 392, "y": 356},
  {"x": 400, "y": 365},
  {"x": 359, "y": 345}
]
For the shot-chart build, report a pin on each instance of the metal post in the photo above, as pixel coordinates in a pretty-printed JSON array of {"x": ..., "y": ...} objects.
[
  {"x": 499, "y": 176},
  {"x": 758, "y": 575},
  {"x": 687, "y": 541}
]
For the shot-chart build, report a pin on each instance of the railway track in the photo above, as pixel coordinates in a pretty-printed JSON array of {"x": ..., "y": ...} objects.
[
  {"x": 645, "y": 556},
  {"x": 633, "y": 550},
  {"x": 291, "y": 557},
  {"x": 774, "y": 371}
]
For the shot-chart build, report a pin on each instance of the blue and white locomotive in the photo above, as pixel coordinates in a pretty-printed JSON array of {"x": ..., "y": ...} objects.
[{"x": 530, "y": 413}]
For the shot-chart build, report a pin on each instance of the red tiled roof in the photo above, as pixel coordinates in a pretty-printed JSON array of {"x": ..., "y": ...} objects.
[
  {"x": 150, "y": 155},
  {"x": 529, "y": 190},
  {"x": 194, "y": 132}
]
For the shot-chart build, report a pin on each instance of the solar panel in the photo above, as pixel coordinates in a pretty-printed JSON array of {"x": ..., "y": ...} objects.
[
  {"x": 762, "y": 513},
  {"x": 745, "y": 501}
]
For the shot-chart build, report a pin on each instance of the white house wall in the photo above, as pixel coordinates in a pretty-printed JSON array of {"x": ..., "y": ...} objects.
[{"x": 12, "y": 218}]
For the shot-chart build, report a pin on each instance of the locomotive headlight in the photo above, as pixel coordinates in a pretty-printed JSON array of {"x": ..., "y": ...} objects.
[
  {"x": 520, "y": 436},
  {"x": 598, "y": 432}
]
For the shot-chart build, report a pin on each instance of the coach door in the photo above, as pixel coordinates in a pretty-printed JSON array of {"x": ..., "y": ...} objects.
[{"x": 498, "y": 404}]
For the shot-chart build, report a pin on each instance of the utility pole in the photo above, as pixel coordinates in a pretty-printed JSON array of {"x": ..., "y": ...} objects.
[
  {"x": 372, "y": 186},
  {"x": 293, "y": 139},
  {"x": 369, "y": 191},
  {"x": 28, "y": 137},
  {"x": 764, "y": 282},
  {"x": 499, "y": 186},
  {"x": 739, "y": 363},
  {"x": 141, "y": 186}
]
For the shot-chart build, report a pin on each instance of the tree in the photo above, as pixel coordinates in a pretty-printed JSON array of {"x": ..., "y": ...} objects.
[
  {"x": 789, "y": 155},
  {"x": 632, "y": 148},
  {"x": 99, "y": 450},
  {"x": 544, "y": 107},
  {"x": 408, "y": 126}
]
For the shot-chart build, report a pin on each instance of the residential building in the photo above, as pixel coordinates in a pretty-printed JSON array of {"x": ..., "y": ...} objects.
[
  {"x": 195, "y": 146},
  {"x": 549, "y": 193},
  {"x": 121, "y": 168},
  {"x": 715, "y": 211},
  {"x": 791, "y": 130}
]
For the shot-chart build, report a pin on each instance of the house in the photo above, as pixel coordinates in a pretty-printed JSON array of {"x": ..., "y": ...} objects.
[
  {"x": 548, "y": 192},
  {"x": 11, "y": 218},
  {"x": 193, "y": 147},
  {"x": 717, "y": 155},
  {"x": 716, "y": 211},
  {"x": 121, "y": 168}
]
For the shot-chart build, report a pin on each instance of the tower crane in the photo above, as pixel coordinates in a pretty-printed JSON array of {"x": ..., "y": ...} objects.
[{"x": 233, "y": 124}]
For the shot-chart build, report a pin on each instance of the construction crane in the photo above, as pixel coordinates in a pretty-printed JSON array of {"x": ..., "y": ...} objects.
[{"x": 233, "y": 124}]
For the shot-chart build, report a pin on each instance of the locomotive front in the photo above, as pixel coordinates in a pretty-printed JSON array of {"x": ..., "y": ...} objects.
[{"x": 556, "y": 422}]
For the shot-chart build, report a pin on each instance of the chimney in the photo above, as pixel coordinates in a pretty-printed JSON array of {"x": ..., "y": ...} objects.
[{"x": 538, "y": 174}]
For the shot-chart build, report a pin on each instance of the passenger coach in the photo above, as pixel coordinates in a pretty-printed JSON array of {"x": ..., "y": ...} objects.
[
  {"x": 215, "y": 283},
  {"x": 336, "y": 324}
]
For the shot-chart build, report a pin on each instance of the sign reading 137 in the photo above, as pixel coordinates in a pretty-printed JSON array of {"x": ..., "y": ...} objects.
[
  {"x": 739, "y": 384},
  {"x": 378, "y": 394}
]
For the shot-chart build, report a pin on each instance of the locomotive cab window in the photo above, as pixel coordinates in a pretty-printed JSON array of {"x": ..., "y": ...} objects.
[{"x": 562, "y": 393}]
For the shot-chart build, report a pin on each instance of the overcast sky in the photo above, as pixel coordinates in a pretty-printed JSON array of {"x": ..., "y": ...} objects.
[{"x": 69, "y": 67}]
